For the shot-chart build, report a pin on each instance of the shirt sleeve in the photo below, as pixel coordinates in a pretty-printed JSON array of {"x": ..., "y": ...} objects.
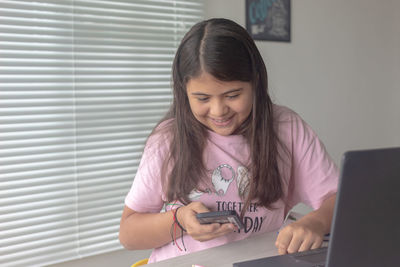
[
  {"x": 146, "y": 193},
  {"x": 314, "y": 175}
]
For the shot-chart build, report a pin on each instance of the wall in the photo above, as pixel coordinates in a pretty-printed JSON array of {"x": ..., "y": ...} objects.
[
  {"x": 341, "y": 72},
  {"x": 396, "y": 98},
  {"x": 338, "y": 72}
]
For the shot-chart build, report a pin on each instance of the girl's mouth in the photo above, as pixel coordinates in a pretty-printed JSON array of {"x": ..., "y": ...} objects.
[{"x": 221, "y": 122}]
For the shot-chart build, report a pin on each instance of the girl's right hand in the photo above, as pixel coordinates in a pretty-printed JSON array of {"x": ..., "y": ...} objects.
[{"x": 201, "y": 232}]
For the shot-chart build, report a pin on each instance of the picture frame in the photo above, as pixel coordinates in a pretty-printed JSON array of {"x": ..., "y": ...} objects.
[{"x": 269, "y": 20}]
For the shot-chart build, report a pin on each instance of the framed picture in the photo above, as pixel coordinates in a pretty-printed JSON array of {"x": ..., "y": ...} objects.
[{"x": 268, "y": 20}]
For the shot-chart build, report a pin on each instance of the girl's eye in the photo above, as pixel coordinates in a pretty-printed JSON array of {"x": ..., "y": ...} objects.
[
  {"x": 202, "y": 99},
  {"x": 232, "y": 96}
]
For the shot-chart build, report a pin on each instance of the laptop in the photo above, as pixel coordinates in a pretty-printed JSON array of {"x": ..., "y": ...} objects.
[{"x": 366, "y": 221}]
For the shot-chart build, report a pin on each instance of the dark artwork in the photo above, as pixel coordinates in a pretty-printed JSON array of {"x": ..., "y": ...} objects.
[{"x": 268, "y": 19}]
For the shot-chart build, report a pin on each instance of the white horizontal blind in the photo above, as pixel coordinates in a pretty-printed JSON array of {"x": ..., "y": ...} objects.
[{"x": 82, "y": 83}]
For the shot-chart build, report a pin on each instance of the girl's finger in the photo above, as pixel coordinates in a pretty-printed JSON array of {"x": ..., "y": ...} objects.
[
  {"x": 295, "y": 243},
  {"x": 317, "y": 243},
  {"x": 283, "y": 241},
  {"x": 307, "y": 244}
]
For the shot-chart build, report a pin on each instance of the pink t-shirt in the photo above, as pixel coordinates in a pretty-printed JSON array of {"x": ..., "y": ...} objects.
[{"x": 308, "y": 175}]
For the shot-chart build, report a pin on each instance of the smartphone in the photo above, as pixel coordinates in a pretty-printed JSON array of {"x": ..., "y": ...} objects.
[{"x": 225, "y": 216}]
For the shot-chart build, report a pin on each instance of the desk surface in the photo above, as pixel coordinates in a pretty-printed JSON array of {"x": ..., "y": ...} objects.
[{"x": 224, "y": 256}]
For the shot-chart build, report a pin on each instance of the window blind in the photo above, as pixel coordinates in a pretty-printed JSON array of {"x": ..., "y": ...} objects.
[{"x": 82, "y": 83}]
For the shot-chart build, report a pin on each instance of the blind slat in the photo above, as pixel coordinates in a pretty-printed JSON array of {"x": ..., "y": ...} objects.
[{"x": 82, "y": 84}]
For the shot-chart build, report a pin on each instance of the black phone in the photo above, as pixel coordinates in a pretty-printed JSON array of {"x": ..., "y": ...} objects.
[{"x": 225, "y": 216}]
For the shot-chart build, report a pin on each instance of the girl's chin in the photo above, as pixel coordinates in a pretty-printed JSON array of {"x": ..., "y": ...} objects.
[{"x": 223, "y": 131}]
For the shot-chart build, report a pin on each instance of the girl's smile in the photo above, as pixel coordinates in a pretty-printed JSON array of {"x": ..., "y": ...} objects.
[
  {"x": 220, "y": 106},
  {"x": 221, "y": 122}
]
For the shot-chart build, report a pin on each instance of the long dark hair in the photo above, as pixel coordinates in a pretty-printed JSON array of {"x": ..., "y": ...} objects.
[{"x": 225, "y": 50}]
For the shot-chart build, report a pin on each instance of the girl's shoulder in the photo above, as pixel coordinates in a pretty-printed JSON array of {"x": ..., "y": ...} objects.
[
  {"x": 161, "y": 135},
  {"x": 284, "y": 114},
  {"x": 290, "y": 124},
  {"x": 164, "y": 127}
]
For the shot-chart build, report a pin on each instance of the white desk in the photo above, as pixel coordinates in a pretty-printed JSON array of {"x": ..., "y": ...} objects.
[{"x": 225, "y": 255}]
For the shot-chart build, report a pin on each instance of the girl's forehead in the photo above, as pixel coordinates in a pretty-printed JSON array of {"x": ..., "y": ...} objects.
[
  {"x": 205, "y": 80},
  {"x": 208, "y": 84}
]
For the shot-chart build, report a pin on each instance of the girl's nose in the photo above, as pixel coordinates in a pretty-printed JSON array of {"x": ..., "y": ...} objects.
[{"x": 218, "y": 109}]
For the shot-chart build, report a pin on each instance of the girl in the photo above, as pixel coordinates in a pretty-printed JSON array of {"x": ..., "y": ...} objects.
[{"x": 225, "y": 146}]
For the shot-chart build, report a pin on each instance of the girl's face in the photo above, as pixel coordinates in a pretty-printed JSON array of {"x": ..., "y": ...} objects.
[{"x": 220, "y": 106}]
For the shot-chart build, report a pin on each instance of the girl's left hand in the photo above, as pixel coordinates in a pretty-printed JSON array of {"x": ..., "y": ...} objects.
[{"x": 300, "y": 236}]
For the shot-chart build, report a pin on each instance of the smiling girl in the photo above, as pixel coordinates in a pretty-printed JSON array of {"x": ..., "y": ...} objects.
[{"x": 225, "y": 145}]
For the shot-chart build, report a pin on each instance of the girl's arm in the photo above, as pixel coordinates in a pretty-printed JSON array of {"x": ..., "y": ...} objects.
[
  {"x": 145, "y": 230},
  {"x": 308, "y": 232},
  {"x": 152, "y": 230}
]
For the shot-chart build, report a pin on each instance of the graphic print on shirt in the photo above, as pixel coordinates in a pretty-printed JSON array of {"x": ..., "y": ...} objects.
[
  {"x": 242, "y": 181},
  {"x": 221, "y": 184},
  {"x": 222, "y": 179},
  {"x": 251, "y": 223},
  {"x": 196, "y": 194}
]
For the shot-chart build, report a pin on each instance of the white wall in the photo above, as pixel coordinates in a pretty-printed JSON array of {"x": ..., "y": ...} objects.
[
  {"x": 396, "y": 98},
  {"x": 338, "y": 72},
  {"x": 341, "y": 72}
]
